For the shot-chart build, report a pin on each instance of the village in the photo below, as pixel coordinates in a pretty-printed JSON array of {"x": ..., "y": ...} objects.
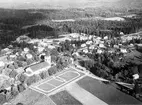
[{"x": 37, "y": 59}]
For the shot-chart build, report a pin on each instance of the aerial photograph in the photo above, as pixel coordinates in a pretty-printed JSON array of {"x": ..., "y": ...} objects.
[{"x": 70, "y": 52}]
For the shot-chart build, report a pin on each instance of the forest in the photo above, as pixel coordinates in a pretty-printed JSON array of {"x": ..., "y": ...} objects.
[{"x": 13, "y": 21}]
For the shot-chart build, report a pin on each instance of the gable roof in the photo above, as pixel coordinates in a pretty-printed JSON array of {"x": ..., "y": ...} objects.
[{"x": 39, "y": 66}]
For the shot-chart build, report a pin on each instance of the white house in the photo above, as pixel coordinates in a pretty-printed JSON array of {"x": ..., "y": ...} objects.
[
  {"x": 106, "y": 38},
  {"x": 99, "y": 51},
  {"x": 48, "y": 59},
  {"x": 37, "y": 68},
  {"x": 85, "y": 51},
  {"x": 29, "y": 56},
  {"x": 123, "y": 50},
  {"x": 102, "y": 46},
  {"x": 40, "y": 49},
  {"x": 26, "y": 50},
  {"x": 2, "y": 64},
  {"x": 136, "y": 76},
  {"x": 89, "y": 42},
  {"x": 83, "y": 45},
  {"x": 51, "y": 46}
]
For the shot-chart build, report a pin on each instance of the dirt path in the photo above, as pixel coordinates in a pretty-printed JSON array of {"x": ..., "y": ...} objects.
[{"x": 83, "y": 96}]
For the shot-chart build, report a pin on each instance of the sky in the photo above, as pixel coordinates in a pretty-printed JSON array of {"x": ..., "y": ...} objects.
[{"x": 40, "y": 3}]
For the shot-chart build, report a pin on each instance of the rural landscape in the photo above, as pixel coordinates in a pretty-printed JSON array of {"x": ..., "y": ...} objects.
[{"x": 62, "y": 52}]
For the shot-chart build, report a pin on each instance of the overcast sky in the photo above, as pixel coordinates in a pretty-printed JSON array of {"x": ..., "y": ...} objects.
[
  {"x": 18, "y": 3},
  {"x": 49, "y": 0}
]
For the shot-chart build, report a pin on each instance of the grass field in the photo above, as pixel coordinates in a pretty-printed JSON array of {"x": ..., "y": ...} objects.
[
  {"x": 46, "y": 87},
  {"x": 69, "y": 75},
  {"x": 57, "y": 82},
  {"x": 31, "y": 97},
  {"x": 107, "y": 93},
  {"x": 64, "y": 98}
]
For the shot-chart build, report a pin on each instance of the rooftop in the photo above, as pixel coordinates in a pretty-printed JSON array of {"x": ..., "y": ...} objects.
[{"x": 39, "y": 66}]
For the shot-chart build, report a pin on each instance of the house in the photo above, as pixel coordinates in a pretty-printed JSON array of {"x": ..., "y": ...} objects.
[
  {"x": 99, "y": 51},
  {"x": 91, "y": 47},
  {"x": 40, "y": 49},
  {"x": 48, "y": 59},
  {"x": 12, "y": 57},
  {"x": 76, "y": 53},
  {"x": 5, "y": 51},
  {"x": 136, "y": 76},
  {"x": 85, "y": 51},
  {"x": 51, "y": 46},
  {"x": 2, "y": 64},
  {"x": 29, "y": 56},
  {"x": 106, "y": 38},
  {"x": 37, "y": 68},
  {"x": 83, "y": 45},
  {"x": 123, "y": 50},
  {"x": 89, "y": 42},
  {"x": 102, "y": 46},
  {"x": 26, "y": 50},
  {"x": 116, "y": 46}
]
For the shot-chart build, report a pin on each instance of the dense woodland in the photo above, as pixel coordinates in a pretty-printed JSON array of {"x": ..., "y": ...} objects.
[{"x": 13, "y": 21}]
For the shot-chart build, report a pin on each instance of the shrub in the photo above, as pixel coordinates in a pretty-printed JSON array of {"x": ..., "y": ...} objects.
[
  {"x": 33, "y": 79},
  {"x": 2, "y": 99},
  {"x": 13, "y": 74},
  {"x": 21, "y": 87},
  {"x": 52, "y": 70},
  {"x": 14, "y": 91},
  {"x": 19, "y": 104},
  {"x": 44, "y": 74},
  {"x": 22, "y": 78}
]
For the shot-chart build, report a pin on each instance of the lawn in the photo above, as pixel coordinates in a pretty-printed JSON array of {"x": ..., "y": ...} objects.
[
  {"x": 46, "y": 87},
  {"x": 31, "y": 97},
  {"x": 64, "y": 98},
  {"x": 56, "y": 82},
  {"x": 107, "y": 93},
  {"x": 69, "y": 76}
]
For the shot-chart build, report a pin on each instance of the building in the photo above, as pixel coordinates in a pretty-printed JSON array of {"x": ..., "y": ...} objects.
[{"x": 37, "y": 68}]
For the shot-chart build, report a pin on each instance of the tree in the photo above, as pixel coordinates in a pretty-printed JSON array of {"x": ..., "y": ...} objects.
[
  {"x": 13, "y": 74},
  {"x": 19, "y": 104},
  {"x": 22, "y": 63},
  {"x": 54, "y": 52},
  {"x": 52, "y": 70},
  {"x": 37, "y": 78},
  {"x": 22, "y": 78},
  {"x": 15, "y": 65},
  {"x": 29, "y": 61},
  {"x": 53, "y": 58},
  {"x": 7, "y": 71},
  {"x": 44, "y": 74},
  {"x": 21, "y": 87},
  {"x": 33, "y": 79},
  {"x": 11, "y": 66},
  {"x": 8, "y": 96},
  {"x": 14, "y": 90},
  {"x": 88, "y": 64},
  {"x": 2, "y": 98}
]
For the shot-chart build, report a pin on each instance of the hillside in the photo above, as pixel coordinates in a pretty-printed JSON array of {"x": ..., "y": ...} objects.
[
  {"x": 128, "y": 4},
  {"x": 64, "y": 4}
]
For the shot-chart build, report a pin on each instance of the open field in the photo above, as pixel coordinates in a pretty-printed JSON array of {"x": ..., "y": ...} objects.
[
  {"x": 56, "y": 82},
  {"x": 30, "y": 97},
  {"x": 64, "y": 98},
  {"x": 106, "y": 93}
]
